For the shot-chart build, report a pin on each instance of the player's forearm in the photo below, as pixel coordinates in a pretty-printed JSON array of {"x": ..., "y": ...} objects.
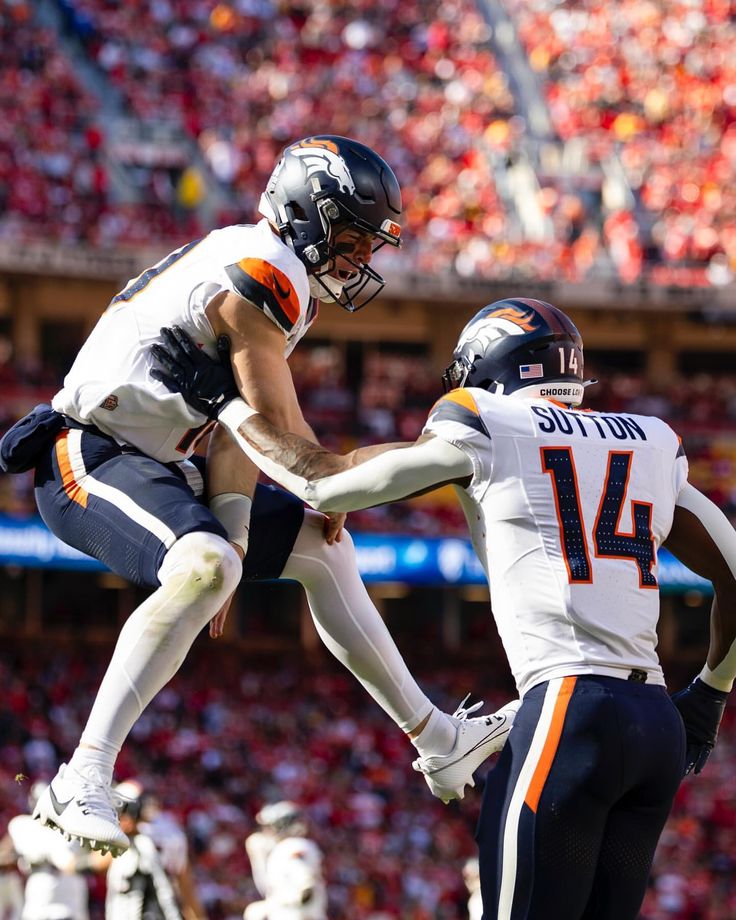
[
  {"x": 231, "y": 481},
  {"x": 333, "y": 482},
  {"x": 720, "y": 669},
  {"x": 716, "y": 561}
]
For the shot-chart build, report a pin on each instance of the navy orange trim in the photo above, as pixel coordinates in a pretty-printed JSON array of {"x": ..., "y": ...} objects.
[
  {"x": 568, "y": 530},
  {"x": 136, "y": 286},
  {"x": 459, "y": 406},
  {"x": 267, "y": 287},
  {"x": 72, "y": 488},
  {"x": 551, "y": 744},
  {"x": 638, "y": 532}
]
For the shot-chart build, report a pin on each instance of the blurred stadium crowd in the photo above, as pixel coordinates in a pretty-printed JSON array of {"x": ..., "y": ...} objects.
[
  {"x": 632, "y": 175},
  {"x": 311, "y": 733}
]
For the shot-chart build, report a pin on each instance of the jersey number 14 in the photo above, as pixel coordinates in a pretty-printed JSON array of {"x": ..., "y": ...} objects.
[{"x": 608, "y": 541}]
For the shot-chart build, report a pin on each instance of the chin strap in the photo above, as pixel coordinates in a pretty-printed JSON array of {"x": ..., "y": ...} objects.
[{"x": 325, "y": 288}]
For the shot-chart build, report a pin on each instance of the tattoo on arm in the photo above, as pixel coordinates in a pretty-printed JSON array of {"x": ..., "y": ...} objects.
[
  {"x": 295, "y": 454},
  {"x": 302, "y": 457}
]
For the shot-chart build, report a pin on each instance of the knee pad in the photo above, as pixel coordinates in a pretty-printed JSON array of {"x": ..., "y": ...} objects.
[{"x": 203, "y": 564}]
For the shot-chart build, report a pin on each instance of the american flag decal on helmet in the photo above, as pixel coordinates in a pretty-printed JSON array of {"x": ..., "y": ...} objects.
[{"x": 528, "y": 371}]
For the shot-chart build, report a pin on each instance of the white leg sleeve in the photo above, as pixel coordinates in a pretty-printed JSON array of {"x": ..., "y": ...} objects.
[
  {"x": 199, "y": 573},
  {"x": 349, "y": 624}
]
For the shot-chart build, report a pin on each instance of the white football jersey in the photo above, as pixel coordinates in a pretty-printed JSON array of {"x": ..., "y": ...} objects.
[
  {"x": 567, "y": 510},
  {"x": 136, "y": 880},
  {"x": 170, "y": 840},
  {"x": 295, "y": 887},
  {"x": 54, "y": 888},
  {"x": 110, "y": 383}
]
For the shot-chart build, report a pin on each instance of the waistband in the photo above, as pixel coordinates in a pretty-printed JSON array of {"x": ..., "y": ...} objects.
[
  {"x": 652, "y": 677},
  {"x": 638, "y": 675}
]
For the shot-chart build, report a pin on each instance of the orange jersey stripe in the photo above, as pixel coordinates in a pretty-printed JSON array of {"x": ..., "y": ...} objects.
[
  {"x": 549, "y": 750},
  {"x": 463, "y": 398},
  {"x": 72, "y": 488},
  {"x": 276, "y": 282}
]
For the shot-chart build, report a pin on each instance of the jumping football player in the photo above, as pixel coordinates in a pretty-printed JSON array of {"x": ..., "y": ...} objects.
[{"x": 114, "y": 479}]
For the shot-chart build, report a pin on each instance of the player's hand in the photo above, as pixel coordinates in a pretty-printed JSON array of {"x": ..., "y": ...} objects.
[
  {"x": 217, "y": 623},
  {"x": 701, "y": 708},
  {"x": 333, "y": 526},
  {"x": 208, "y": 385}
]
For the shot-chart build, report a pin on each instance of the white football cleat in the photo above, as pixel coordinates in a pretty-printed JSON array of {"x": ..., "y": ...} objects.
[
  {"x": 447, "y": 775},
  {"x": 81, "y": 807}
]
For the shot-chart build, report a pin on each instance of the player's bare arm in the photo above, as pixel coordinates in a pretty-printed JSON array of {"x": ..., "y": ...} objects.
[
  {"x": 704, "y": 540},
  {"x": 261, "y": 371},
  {"x": 263, "y": 375},
  {"x": 361, "y": 479},
  {"x": 369, "y": 476}
]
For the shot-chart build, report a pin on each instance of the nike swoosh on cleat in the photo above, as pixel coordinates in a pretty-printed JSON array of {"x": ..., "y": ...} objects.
[
  {"x": 283, "y": 294},
  {"x": 470, "y": 750},
  {"x": 59, "y": 807}
]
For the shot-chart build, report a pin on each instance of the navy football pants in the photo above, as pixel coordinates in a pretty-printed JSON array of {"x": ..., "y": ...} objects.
[
  {"x": 127, "y": 510},
  {"x": 574, "y": 808}
]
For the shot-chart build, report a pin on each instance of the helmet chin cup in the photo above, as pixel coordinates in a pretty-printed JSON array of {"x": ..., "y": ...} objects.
[{"x": 325, "y": 288}]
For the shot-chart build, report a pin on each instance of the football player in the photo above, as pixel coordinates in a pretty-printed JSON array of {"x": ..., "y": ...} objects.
[
  {"x": 115, "y": 476},
  {"x": 567, "y": 511},
  {"x": 286, "y": 867},
  {"x": 138, "y": 885},
  {"x": 55, "y": 888}
]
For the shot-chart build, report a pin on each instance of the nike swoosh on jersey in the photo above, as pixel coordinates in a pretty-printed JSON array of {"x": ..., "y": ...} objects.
[
  {"x": 59, "y": 807},
  {"x": 266, "y": 286},
  {"x": 283, "y": 294}
]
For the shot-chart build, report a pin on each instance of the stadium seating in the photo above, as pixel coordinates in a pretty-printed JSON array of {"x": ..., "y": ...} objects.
[{"x": 647, "y": 89}]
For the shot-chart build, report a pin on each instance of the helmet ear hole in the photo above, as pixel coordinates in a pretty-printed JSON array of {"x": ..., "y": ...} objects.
[{"x": 298, "y": 211}]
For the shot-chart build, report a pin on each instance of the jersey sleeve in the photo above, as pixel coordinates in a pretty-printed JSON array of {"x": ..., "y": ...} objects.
[
  {"x": 457, "y": 419},
  {"x": 269, "y": 288},
  {"x": 680, "y": 468}
]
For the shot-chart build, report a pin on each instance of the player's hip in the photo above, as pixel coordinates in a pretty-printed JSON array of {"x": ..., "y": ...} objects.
[
  {"x": 598, "y": 735},
  {"x": 127, "y": 509}
]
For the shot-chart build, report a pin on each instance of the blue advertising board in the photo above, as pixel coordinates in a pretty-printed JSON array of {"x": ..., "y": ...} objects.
[{"x": 28, "y": 543}]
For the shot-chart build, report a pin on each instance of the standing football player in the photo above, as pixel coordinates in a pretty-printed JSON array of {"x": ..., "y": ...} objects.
[
  {"x": 114, "y": 477},
  {"x": 56, "y": 887},
  {"x": 286, "y": 866},
  {"x": 567, "y": 511}
]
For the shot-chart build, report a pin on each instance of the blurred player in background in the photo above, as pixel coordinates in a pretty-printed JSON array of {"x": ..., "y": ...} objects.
[
  {"x": 138, "y": 885},
  {"x": 286, "y": 867},
  {"x": 55, "y": 887},
  {"x": 567, "y": 511},
  {"x": 171, "y": 842},
  {"x": 471, "y": 877},
  {"x": 11, "y": 889},
  {"x": 113, "y": 478}
]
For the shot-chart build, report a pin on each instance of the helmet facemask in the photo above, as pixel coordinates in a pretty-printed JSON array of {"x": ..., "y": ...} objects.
[{"x": 341, "y": 278}]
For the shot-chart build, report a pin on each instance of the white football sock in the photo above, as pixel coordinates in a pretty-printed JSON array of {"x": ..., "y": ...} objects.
[
  {"x": 103, "y": 761},
  {"x": 351, "y": 627},
  {"x": 437, "y": 736},
  {"x": 199, "y": 573}
]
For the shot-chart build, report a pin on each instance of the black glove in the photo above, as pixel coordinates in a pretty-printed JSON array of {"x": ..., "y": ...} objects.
[
  {"x": 701, "y": 708},
  {"x": 206, "y": 384}
]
